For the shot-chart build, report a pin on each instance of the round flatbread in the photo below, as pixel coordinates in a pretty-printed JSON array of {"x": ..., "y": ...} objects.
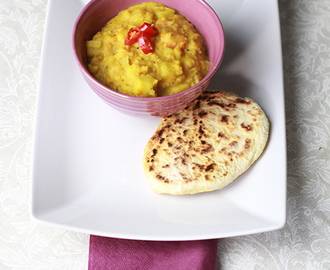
[{"x": 207, "y": 145}]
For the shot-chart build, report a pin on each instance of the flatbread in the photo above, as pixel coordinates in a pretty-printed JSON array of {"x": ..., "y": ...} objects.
[{"x": 207, "y": 145}]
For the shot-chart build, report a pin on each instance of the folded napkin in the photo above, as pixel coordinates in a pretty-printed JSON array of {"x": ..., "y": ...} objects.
[{"x": 113, "y": 253}]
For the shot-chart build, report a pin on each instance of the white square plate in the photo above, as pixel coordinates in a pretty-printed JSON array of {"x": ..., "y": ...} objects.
[{"x": 87, "y": 159}]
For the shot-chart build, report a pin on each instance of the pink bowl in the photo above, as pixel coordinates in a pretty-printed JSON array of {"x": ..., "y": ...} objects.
[{"x": 98, "y": 12}]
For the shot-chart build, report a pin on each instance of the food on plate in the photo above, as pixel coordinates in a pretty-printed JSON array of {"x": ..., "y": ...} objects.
[
  {"x": 206, "y": 145},
  {"x": 148, "y": 50}
]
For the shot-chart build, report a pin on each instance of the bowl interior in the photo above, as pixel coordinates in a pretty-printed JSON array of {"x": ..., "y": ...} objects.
[{"x": 98, "y": 12}]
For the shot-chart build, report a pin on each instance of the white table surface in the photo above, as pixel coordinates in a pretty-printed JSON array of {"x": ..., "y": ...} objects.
[{"x": 304, "y": 242}]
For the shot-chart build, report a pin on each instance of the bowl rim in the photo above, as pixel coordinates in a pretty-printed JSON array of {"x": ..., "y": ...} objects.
[{"x": 209, "y": 74}]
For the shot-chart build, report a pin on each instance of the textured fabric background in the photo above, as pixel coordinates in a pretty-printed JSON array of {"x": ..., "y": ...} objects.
[{"x": 304, "y": 242}]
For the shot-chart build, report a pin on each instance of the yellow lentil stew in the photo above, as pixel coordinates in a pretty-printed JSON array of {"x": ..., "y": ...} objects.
[{"x": 179, "y": 60}]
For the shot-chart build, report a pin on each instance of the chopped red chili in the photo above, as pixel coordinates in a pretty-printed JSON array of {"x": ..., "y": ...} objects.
[
  {"x": 148, "y": 29},
  {"x": 146, "y": 44},
  {"x": 143, "y": 35},
  {"x": 132, "y": 36}
]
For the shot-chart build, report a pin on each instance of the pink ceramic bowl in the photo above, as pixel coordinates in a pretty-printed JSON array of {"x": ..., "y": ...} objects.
[{"x": 98, "y": 12}]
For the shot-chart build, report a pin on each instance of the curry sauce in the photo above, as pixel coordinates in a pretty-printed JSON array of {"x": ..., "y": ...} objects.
[{"x": 178, "y": 62}]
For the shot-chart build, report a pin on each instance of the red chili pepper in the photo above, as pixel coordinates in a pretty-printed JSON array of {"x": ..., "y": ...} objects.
[
  {"x": 148, "y": 29},
  {"x": 146, "y": 44},
  {"x": 143, "y": 35},
  {"x": 132, "y": 36}
]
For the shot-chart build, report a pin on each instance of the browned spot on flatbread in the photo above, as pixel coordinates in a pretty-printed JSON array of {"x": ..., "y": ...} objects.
[
  {"x": 197, "y": 105},
  {"x": 247, "y": 144},
  {"x": 233, "y": 144},
  {"x": 180, "y": 160},
  {"x": 202, "y": 114},
  {"x": 154, "y": 152},
  {"x": 206, "y": 149},
  {"x": 243, "y": 101},
  {"x": 162, "y": 178},
  {"x": 180, "y": 121},
  {"x": 227, "y": 107},
  {"x": 210, "y": 168},
  {"x": 224, "y": 119},
  {"x": 220, "y": 134},
  {"x": 200, "y": 167},
  {"x": 213, "y": 103},
  {"x": 200, "y": 130},
  {"x": 160, "y": 133},
  {"x": 246, "y": 127}
]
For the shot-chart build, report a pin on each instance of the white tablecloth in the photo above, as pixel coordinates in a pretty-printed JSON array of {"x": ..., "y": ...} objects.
[{"x": 303, "y": 243}]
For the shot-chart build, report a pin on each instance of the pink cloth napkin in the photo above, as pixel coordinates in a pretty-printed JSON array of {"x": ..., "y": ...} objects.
[{"x": 112, "y": 253}]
